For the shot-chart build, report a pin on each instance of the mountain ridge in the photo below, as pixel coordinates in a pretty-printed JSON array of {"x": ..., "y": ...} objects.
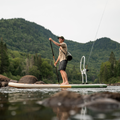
[{"x": 29, "y": 37}]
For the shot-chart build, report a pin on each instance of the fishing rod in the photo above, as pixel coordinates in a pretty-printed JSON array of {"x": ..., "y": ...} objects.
[
  {"x": 96, "y": 34},
  {"x": 54, "y": 61}
]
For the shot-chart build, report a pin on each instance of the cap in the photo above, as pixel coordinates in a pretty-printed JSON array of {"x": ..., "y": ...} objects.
[{"x": 61, "y": 37}]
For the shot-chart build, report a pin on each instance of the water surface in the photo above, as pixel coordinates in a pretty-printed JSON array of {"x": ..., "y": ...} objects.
[{"x": 21, "y": 104}]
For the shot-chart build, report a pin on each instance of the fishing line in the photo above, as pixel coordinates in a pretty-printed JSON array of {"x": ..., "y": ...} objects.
[{"x": 97, "y": 32}]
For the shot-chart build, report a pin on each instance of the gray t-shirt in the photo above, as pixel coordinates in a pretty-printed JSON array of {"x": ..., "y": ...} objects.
[{"x": 64, "y": 49}]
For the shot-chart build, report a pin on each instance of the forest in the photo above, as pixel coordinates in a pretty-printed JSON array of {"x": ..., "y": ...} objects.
[
  {"x": 110, "y": 71},
  {"x": 14, "y": 65},
  {"x": 28, "y": 47}
]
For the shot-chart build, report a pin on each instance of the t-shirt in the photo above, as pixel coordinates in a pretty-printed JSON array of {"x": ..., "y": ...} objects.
[{"x": 64, "y": 49}]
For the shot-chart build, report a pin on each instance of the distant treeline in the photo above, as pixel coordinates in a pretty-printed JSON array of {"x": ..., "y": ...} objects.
[
  {"x": 110, "y": 71},
  {"x": 14, "y": 65}
]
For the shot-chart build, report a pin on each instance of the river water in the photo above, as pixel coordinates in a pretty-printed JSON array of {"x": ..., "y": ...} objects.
[{"x": 22, "y": 104}]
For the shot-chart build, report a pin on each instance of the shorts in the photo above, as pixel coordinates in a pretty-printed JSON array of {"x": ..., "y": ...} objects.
[{"x": 63, "y": 65}]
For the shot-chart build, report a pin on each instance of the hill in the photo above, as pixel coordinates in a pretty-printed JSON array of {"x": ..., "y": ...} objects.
[{"x": 25, "y": 36}]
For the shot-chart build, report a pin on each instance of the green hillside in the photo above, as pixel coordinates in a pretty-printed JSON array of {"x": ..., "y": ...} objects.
[{"x": 28, "y": 37}]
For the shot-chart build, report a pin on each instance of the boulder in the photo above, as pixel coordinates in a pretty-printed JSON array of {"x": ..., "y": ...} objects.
[
  {"x": 29, "y": 79},
  {"x": 109, "y": 95},
  {"x": 64, "y": 98},
  {"x": 4, "y": 84},
  {"x": 4, "y": 79},
  {"x": 39, "y": 82}
]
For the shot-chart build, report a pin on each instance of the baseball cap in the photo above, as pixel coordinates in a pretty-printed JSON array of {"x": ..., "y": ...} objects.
[{"x": 61, "y": 37}]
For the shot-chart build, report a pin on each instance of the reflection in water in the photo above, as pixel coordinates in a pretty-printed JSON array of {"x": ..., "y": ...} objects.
[
  {"x": 68, "y": 104},
  {"x": 20, "y": 104}
]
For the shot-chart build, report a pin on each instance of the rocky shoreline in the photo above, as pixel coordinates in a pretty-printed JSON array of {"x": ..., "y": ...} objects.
[
  {"x": 29, "y": 79},
  {"x": 114, "y": 84}
]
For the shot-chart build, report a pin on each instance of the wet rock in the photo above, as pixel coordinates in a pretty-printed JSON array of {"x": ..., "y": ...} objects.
[
  {"x": 4, "y": 79},
  {"x": 116, "y": 84},
  {"x": 0, "y": 85},
  {"x": 39, "y": 82},
  {"x": 70, "y": 102},
  {"x": 103, "y": 104},
  {"x": 64, "y": 99},
  {"x": 15, "y": 81},
  {"x": 111, "y": 95},
  {"x": 4, "y": 84},
  {"x": 29, "y": 79}
]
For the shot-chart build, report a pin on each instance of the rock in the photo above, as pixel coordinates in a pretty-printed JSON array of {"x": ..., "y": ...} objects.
[
  {"x": 4, "y": 84},
  {"x": 111, "y": 95},
  {"x": 64, "y": 104},
  {"x": 29, "y": 79},
  {"x": 15, "y": 81},
  {"x": 4, "y": 79},
  {"x": 39, "y": 82},
  {"x": 116, "y": 84},
  {"x": 0, "y": 85},
  {"x": 64, "y": 98},
  {"x": 103, "y": 104}
]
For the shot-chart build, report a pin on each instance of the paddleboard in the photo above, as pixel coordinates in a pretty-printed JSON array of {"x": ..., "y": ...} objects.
[{"x": 29, "y": 86}]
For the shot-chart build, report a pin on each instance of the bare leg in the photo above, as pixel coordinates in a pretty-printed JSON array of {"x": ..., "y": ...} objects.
[
  {"x": 61, "y": 71},
  {"x": 65, "y": 79}
]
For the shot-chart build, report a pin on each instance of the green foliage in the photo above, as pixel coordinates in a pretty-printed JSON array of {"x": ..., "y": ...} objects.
[
  {"x": 46, "y": 70},
  {"x": 23, "y": 37},
  {"x": 4, "y": 60},
  {"x": 34, "y": 71},
  {"x": 110, "y": 70}
]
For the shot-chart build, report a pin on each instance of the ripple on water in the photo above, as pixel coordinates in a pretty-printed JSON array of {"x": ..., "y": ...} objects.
[{"x": 80, "y": 90}]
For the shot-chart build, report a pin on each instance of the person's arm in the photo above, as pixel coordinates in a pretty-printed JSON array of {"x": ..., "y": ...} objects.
[
  {"x": 57, "y": 61},
  {"x": 54, "y": 42}
]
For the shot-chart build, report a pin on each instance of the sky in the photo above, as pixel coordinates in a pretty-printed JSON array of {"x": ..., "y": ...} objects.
[{"x": 78, "y": 20}]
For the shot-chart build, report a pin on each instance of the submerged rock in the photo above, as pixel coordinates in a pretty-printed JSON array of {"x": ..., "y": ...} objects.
[
  {"x": 95, "y": 96},
  {"x": 67, "y": 100},
  {"x": 103, "y": 104},
  {"x": 29, "y": 79},
  {"x": 64, "y": 99},
  {"x": 0, "y": 85}
]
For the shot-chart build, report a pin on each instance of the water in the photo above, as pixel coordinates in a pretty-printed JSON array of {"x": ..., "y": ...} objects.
[{"x": 22, "y": 104}]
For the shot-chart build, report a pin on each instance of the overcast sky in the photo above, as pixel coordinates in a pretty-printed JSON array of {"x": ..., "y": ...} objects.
[{"x": 76, "y": 20}]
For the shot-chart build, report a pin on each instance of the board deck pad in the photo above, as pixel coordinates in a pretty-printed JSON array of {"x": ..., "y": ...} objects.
[{"x": 31, "y": 86}]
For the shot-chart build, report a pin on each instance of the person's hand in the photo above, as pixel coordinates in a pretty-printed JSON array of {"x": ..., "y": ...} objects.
[
  {"x": 55, "y": 64},
  {"x": 50, "y": 39},
  {"x": 60, "y": 48}
]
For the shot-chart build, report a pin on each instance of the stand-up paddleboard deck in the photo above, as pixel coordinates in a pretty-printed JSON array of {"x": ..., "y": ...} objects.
[{"x": 30, "y": 86}]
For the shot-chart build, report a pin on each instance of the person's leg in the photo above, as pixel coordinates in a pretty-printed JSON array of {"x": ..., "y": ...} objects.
[
  {"x": 65, "y": 79},
  {"x": 61, "y": 72}
]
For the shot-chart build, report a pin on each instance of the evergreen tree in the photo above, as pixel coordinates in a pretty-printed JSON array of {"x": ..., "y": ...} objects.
[
  {"x": 118, "y": 69},
  {"x": 112, "y": 58},
  {"x": 4, "y": 59}
]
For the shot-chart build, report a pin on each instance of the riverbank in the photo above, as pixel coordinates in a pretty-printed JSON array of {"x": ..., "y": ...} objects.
[{"x": 114, "y": 84}]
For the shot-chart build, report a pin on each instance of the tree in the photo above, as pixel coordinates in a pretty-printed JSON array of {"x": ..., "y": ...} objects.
[
  {"x": 112, "y": 58},
  {"x": 46, "y": 70},
  {"x": 4, "y": 59},
  {"x": 34, "y": 71},
  {"x": 118, "y": 68}
]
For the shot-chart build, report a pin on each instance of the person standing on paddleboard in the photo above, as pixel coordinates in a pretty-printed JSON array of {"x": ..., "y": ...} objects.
[{"x": 62, "y": 58}]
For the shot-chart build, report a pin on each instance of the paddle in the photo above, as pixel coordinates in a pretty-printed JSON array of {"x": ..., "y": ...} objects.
[{"x": 54, "y": 61}]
